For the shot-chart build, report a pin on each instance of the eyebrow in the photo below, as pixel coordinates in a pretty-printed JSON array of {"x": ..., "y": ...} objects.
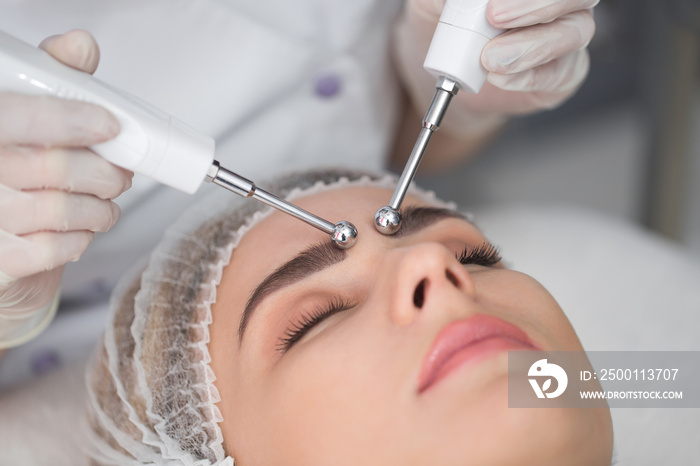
[
  {"x": 308, "y": 262},
  {"x": 416, "y": 218},
  {"x": 322, "y": 255}
]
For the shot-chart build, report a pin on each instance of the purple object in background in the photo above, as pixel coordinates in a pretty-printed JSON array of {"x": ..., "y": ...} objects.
[
  {"x": 45, "y": 361},
  {"x": 328, "y": 85}
]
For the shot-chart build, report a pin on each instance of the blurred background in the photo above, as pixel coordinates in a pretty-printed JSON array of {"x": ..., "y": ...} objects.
[{"x": 628, "y": 144}]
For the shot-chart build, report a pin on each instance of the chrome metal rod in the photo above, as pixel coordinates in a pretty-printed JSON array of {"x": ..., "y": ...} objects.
[
  {"x": 229, "y": 180},
  {"x": 409, "y": 170},
  {"x": 246, "y": 188},
  {"x": 446, "y": 89}
]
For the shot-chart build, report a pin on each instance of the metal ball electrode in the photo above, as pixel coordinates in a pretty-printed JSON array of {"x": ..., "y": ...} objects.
[
  {"x": 387, "y": 221},
  {"x": 344, "y": 235}
]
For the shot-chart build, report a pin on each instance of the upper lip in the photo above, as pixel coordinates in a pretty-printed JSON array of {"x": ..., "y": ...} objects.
[{"x": 459, "y": 334}]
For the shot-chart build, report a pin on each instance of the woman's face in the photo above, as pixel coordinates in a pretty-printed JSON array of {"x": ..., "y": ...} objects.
[{"x": 366, "y": 384}]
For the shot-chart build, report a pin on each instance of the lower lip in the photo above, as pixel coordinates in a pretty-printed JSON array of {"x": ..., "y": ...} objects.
[{"x": 474, "y": 353}]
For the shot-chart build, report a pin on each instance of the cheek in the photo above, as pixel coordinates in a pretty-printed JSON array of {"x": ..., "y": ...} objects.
[
  {"x": 336, "y": 371},
  {"x": 525, "y": 302},
  {"x": 328, "y": 397}
]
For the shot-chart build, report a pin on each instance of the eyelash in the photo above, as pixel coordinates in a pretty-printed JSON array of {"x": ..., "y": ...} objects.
[
  {"x": 299, "y": 328},
  {"x": 485, "y": 254}
]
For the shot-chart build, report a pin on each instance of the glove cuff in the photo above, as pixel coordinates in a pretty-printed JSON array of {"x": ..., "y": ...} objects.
[{"x": 17, "y": 331}]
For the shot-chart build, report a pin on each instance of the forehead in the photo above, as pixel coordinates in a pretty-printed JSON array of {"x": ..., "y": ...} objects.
[
  {"x": 279, "y": 235},
  {"x": 282, "y": 233}
]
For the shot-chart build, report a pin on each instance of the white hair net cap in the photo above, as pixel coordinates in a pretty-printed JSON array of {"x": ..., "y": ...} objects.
[{"x": 151, "y": 393}]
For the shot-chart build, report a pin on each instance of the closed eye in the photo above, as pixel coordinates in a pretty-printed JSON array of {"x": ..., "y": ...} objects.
[{"x": 306, "y": 322}]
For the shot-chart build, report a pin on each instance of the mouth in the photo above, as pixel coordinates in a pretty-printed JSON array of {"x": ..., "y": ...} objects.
[{"x": 468, "y": 341}]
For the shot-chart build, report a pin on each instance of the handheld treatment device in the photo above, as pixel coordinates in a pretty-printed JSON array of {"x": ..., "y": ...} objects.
[
  {"x": 454, "y": 58},
  {"x": 150, "y": 142}
]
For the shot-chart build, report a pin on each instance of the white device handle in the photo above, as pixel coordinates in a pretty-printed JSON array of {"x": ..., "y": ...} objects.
[
  {"x": 150, "y": 142},
  {"x": 460, "y": 37}
]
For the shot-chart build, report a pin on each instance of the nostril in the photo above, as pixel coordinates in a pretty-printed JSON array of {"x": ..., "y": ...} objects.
[
  {"x": 451, "y": 277},
  {"x": 419, "y": 294}
]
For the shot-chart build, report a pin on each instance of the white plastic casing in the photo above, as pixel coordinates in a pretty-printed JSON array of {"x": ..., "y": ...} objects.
[
  {"x": 150, "y": 142},
  {"x": 460, "y": 37}
]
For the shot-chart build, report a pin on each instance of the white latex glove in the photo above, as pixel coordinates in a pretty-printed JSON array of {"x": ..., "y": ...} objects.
[
  {"x": 54, "y": 192},
  {"x": 537, "y": 64}
]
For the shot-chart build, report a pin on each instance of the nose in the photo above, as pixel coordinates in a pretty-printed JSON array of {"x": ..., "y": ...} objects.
[{"x": 422, "y": 276}]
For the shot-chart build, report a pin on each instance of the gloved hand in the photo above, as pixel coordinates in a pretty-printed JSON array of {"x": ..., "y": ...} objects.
[
  {"x": 537, "y": 64},
  {"x": 54, "y": 192}
]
